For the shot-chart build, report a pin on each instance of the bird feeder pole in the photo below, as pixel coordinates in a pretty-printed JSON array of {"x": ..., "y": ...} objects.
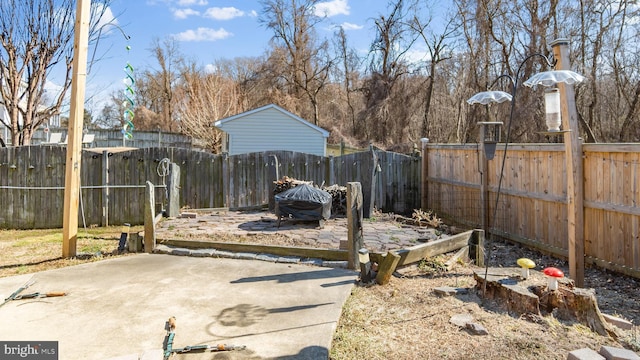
[
  {"x": 489, "y": 137},
  {"x": 74, "y": 134},
  {"x": 573, "y": 160}
]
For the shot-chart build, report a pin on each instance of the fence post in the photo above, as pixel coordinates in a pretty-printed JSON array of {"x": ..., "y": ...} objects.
[
  {"x": 149, "y": 218},
  {"x": 105, "y": 189},
  {"x": 476, "y": 247},
  {"x": 424, "y": 183},
  {"x": 173, "y": 191},
  {"x": 274, "y": 175},
  {"x": 374, "y": 177},
  {"x": 354, "y": 223},
  {"x": 225, "y": 179},
  {"x": 332, "y": 171}
]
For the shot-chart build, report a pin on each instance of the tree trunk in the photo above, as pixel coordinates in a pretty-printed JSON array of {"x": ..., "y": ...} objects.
[{"x": 574, "y": 304}]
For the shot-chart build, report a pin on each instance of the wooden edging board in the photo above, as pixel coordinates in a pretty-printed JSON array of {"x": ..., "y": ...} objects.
[
  {"x": 442, "y": 246},
  {"x": 319, "y": 253},
  {"x": 407, "y": 256}
]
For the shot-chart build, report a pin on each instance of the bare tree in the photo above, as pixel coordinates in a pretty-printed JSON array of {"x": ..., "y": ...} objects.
[
  {"x": 155, "y": 88},
  {"x": 387, "y": 64},
  {"x": 208, "y": 97},
  {"x": 306, "y": 60},
  {"x": 109, "y": 117},
  {"x": 476, "y": 56},
  {"x": 349, "y": 61},
  {"x": 439, "y": 47},
  {"x": 606, "y": 52},
  {"x": 246, "y": 73},
  {"x": 36, "y": 38}
]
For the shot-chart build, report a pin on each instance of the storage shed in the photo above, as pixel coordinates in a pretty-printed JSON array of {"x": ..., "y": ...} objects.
[{"x": 271, "y": 128}]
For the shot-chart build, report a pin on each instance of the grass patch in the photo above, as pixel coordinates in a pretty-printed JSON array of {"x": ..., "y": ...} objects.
[
  {"x": 352, "y": 339},
  {"x": 29, "y": 251},
  {"x": 433, "y": 265}
]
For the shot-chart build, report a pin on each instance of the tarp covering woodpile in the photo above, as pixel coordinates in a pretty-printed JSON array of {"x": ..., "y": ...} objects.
[
  {"x": 338, "y": 193},
  {"x": 304, "y": 202}
]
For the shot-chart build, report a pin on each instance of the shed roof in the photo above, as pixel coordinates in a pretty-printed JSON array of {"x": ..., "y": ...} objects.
[{"x": 220, "y": 123}]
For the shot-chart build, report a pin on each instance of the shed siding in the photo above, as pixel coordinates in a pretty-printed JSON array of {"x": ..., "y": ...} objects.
[{"x": 272, "y": 130}]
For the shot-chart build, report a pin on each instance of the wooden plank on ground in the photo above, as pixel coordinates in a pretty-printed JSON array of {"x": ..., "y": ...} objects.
[
  {"x": 416, "y": 253},
  {"x": 317, "y": 253},
  {"x": 460, "y": 255}
]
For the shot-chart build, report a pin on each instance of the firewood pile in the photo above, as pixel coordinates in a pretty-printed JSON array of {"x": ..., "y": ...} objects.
[
  {"x": 338, "y": 193},
  {"x": 339, "y": 199},
  {"x": 287, "y": 183}
]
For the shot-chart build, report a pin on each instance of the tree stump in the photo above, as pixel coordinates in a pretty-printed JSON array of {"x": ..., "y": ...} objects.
[
  {"x": 502, "y": 287},
  {"x": 519, "y": 296},
  {"x": 574, "y": 304}
]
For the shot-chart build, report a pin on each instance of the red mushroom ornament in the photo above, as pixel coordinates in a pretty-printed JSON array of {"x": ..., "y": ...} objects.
[{"x": 553, "y": 274}]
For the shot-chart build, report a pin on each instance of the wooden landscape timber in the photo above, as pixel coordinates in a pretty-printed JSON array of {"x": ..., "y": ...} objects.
[
  {"x": 463, "y": 242},
  {"x": 386, "y": 268},
  {"x": 388, "y": 262},
  {"x": 441, "y": 246},
  {"x": 305, "y": 252}
]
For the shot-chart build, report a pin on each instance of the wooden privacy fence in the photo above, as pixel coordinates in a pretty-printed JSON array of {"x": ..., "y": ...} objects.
[
  {"x": 32, "y": 181},
  {"x": 532, "y": 206}
]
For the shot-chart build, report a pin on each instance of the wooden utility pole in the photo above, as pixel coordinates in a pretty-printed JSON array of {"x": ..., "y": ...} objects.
[
  {"x": 573, "y": 160},
  {"x": 74, "y": 135}
]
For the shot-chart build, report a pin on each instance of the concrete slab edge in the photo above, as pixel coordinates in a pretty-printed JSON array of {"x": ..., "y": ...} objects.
[{"x": 178, "y": 251}]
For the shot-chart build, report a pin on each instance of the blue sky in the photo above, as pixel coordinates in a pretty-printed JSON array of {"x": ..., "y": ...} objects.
[{"x": 206, "y": 30}]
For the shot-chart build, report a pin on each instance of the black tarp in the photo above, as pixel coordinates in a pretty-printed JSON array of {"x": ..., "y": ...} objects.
[{"x": 304, "y": 202}]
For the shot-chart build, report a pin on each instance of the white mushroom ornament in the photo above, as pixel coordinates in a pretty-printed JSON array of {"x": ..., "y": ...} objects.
[
  {"x": 553, "y": 274},
  {"x": 525, "y": 264}
]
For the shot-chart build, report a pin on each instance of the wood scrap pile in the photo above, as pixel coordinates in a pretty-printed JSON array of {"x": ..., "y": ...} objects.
[
  {"x": 420, "y": 218},
  {"x": 339, "y": 199},
  {"x": 287, "y": 183}
]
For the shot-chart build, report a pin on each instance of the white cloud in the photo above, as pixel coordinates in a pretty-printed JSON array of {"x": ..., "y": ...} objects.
[
  {"x": 225, "y": 13},
  {"x": 192, "y": 2},
  {"x": 185, "y": 13},
  {"x": 203, "y": 34},
  {"x": 416, "y": 56},
  {"x": 349, "y": 26},
  {"x": 210, "y": 69},
  {"x": 183, "y": 3},
  {"x": 253, "y": 13},
  {"x": 332, "y": 8},
  {"x": 107, "y": 17}
]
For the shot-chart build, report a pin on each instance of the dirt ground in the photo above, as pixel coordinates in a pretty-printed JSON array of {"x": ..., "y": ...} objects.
[
  {"x": 407, "y": 320},
  {"x": 404, "y": 319}
]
